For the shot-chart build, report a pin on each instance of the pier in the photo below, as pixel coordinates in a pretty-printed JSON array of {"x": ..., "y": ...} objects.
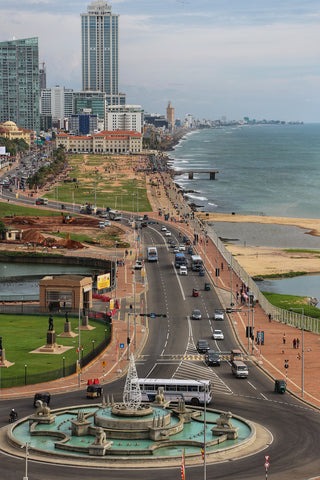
[{"x": 212, "y": 173}]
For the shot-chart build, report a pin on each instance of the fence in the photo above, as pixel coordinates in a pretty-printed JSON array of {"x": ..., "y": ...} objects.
[{"x": 283, "y": 316}]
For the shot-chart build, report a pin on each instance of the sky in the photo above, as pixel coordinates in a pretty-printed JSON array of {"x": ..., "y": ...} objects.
[{"x": 210, "y": 58}]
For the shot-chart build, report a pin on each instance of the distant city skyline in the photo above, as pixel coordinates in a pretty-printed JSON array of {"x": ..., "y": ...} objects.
[{"x": 209, "y": 58}]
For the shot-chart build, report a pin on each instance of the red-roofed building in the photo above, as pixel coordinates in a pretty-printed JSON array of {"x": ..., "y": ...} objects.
[{"x": 117, "y": 141}]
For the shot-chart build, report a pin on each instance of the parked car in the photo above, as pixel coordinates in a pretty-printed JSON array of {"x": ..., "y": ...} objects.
[
  {"x": 196, "y": 315},
  {"x": 218, "y": 335},
  {"x": 218, "y": 314},
  {"x": 212, "y": 358},
  {"x": 202, "y": 346}
]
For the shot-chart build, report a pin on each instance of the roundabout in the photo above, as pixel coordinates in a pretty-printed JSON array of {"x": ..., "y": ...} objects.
[{"x": 133, "y": 434}]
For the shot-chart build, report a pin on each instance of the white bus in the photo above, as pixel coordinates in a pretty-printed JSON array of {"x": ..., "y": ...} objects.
[
  {"x": 152, "y": 254},
  {"x": 191, "y": 391}
]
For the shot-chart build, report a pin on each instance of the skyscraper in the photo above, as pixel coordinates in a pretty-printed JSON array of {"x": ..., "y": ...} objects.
[
  {"x": 100, "y": 49},
  {"x": 19, "y": 83}
]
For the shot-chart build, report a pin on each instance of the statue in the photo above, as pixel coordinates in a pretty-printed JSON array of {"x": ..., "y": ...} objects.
[
  {"x": 42, "y": 409},
  {"x": 50, "y": 323},
  {"x": 225, "y": 420},
  {"x": 100, "y": 437}
]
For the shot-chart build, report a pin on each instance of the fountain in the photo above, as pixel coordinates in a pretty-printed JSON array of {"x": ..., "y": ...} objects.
[{"x": 133, "y": 432}]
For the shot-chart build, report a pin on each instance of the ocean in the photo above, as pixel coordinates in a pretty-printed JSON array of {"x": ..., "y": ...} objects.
[{"x": 263, "y": 169}]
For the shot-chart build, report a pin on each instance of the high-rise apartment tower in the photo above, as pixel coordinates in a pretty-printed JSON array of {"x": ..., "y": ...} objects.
[
  {"x": 19, "y": 83},
  {"x": 100, "y": 49}
]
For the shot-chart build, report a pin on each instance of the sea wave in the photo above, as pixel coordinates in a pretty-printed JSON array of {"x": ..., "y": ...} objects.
[{"x": 196, "y": 197}]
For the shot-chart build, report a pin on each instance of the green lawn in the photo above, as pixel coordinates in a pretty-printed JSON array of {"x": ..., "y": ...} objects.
[
  {"x": 6, "y": 209},
  {"x": 288, "y": 302},
  {"x": 23, "y": 333}
]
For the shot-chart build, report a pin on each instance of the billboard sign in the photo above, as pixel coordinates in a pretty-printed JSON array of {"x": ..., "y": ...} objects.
[{"x": 103, "y": 281}]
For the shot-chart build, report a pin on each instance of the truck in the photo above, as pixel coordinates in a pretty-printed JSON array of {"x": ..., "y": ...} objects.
[
  {"x": 180, "y": 259},
  {"x": 114, "y": 214},
  {"x": 88, "y": 209},
  {"x": 196, "y": 262}
]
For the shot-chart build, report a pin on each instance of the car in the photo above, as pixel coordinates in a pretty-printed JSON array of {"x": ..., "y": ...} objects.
[
  {"x": 101, "y": 224},
  {"x": 212, "y": 358},
  {"x": 168, "y": 234},
  {"x": 196, "y": 315},
  {"x": 107, "y": 223},
  {"x": 182, "y": 248},
  {"x": 176, "y": 250},
  {"x": 170, "y": 240},
  {"x": 218, "y": 335},
  {"x": 138, "y": 265},
  {"x": 163, "y": 229},
  {"x": 172, "y": 244},
  {"x": 183, "y": 270},
  {"x": 144, "y": 224},
  {"x": 218, "y": 314},
  {"x": 43, "y": 396},
  {"x": 202, "y": 346}
]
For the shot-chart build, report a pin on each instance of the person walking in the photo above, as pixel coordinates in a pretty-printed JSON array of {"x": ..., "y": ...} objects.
[
  {"x": 284, "y": 339},
  {"x": 294, "y": 343},
  {"x": 298, "y": 343}
]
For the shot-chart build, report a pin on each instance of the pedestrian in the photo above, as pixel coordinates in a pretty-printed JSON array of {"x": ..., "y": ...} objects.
[
  {"x": 284, "y": 339},
  {"x": 294, "y": 343},
  {"x": 269, "y": 316},
  {"x": 298, "y": 343}
]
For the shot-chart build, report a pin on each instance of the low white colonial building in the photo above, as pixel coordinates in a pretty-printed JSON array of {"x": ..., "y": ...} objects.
[{"x": 103, "y": 142}]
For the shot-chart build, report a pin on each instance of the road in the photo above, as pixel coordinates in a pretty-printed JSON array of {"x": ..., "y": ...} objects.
[{"x": 171, "y": 352}]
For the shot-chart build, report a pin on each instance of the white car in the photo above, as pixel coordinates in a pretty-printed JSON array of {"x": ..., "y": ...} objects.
[
  {"x": 183, "y": 270},
  {"x": 163, "y": 229},
  {"x": 168, "y": 234},
  {"x": 218, "y": 315},
  {"x": 176, "y": 250},
  {"x": 182, "y": 248},
  {"x": 218, "y": 335}
]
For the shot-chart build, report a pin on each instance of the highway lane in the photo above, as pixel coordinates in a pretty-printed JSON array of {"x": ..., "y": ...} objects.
[{"x": 170, "y": 352}]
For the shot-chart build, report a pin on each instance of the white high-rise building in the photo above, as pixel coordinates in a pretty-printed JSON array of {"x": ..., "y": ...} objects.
[
  {"x": 58, "y": 102},
  {"x": 124, "y": 117}
]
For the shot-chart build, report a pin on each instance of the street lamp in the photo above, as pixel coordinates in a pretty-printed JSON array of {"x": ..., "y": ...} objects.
[
  {"x": 63, "y": 370},
  {"x": 26, "y": 462},
  {"x": 302, "y": 347},
  {"x": 93, "y": 345},
  {"x": 25, "y": 374}
]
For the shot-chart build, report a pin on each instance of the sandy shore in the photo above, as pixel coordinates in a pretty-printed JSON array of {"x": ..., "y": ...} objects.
[{"x": 263, "y": 260}]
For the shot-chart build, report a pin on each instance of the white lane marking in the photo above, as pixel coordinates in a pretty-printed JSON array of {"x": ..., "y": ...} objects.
[
  {"x": 252, "y": 386},
  {"x": 266, "y": 398},
  {"x": 179, "y": 282}
]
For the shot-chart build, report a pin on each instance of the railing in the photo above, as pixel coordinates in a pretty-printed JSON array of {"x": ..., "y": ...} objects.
[{"x": 283, "y": 316}]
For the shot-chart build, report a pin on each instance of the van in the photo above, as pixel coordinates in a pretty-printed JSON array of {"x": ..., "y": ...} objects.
[
  {"x": 239, "y": 369},
  {"x": 236, "y": 355}
]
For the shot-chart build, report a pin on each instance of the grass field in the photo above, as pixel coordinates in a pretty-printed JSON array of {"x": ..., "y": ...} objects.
[
  {"x": 108, "y": 189},
  {"x": 7, "y": 209},
  {"x": 288, "y": 302},
  {"x": 22, "y": 333}
]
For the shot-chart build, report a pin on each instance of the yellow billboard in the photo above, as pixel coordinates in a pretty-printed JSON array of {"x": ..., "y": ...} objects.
[{"x": 103, "y": 281}]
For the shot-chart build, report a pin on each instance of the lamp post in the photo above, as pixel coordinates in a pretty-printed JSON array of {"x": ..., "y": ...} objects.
[
  {"x": 302, "y": 348},
  {"x": 105, "y": 334},
  {"x": 115, "y": 269},
  {"x": 25, "y": 374},
  {"x": 26, "y": 462},
  {"x": 63, "y": 370},
  {"x": 93, "y": 345}
]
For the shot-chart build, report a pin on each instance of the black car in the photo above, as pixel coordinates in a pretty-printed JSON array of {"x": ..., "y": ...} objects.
[
  {"x": 212, "y": 358},
  {"x": 202, "y": 346},
  {"x": 43, "y": 396}
]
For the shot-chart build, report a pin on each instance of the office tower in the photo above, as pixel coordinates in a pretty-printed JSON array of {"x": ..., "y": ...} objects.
[
  {"x": 99, "y": 31},
  {"x": 42, "y": 76},
  {"x": 170, "y": 113},
  {"x": 19, "y": 83},
  {"x": 58, "y": 102}
]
